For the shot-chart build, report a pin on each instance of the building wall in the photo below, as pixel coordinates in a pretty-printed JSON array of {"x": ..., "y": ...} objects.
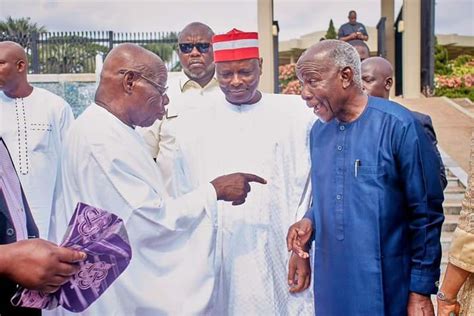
[{"x": 292, "y": 49}]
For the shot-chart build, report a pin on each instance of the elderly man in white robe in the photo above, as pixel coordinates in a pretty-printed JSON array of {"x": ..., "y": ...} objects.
[
  {"x": 191, "y": 92},
  {"x": 266, "y": 134},
  {"x": 33, "y": 124},
  {"x": 106, "y": 164}
]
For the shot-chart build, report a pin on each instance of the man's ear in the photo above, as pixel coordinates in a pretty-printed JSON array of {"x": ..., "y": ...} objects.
[
  {"x": 128, "y": 81},
  {"x": 21, "y": 65},
  {"x": 346, "y": 77},
  {"x": 388, "y": 83},
  {"x": 260, "y": 64}
]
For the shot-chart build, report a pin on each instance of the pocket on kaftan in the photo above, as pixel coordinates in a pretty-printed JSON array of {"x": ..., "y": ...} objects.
[{"x": 39, "y": 137}]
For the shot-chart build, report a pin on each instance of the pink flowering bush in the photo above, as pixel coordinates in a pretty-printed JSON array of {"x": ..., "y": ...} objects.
[
  {"x": 460, "y": 82},
  {"x": 289, "y": 83}
]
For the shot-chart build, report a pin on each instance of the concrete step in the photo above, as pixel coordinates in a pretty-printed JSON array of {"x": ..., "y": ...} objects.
[
  {"x": 453, "y": 181},
  {"x": 450, "y": 223},
  {"x": 450, "y": 196},
  {"x": 449, "y": 173},
  {"x": 455, "y": 189},
  {"x": 452, "y": 207}
]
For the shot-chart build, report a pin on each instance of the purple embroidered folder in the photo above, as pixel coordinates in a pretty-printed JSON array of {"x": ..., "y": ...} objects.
[{"x": 103, "y": 237}]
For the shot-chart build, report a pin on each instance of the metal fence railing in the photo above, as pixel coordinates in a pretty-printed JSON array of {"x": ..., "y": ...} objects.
[{"x": 75, "y": 52}]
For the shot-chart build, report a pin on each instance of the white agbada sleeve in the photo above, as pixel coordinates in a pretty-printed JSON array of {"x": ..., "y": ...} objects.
[{"x": 118, "y": 177}]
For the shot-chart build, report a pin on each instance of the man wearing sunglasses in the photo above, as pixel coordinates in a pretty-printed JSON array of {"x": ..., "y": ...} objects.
[
  {"x": 105, "y": 163},
  {"x": 195, "y": 56},
  {"x": 190, "y": 90}
]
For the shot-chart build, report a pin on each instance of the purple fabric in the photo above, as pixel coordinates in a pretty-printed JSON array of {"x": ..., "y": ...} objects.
[
  {"x": 11, "y": 189},
  {"x": 103, "y": 237}
]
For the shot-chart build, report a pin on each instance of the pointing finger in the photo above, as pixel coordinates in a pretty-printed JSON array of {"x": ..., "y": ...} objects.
[{"x": 254, "y": 178}]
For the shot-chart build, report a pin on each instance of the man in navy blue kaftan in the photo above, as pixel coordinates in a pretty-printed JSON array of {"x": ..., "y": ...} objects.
[{"x": 377, "y": 199}]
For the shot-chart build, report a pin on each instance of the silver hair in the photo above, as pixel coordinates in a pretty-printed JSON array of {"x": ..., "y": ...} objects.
[{"x": 345, "y": 55}]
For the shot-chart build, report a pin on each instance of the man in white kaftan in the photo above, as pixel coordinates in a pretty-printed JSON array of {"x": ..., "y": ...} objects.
[
  {"x": 194, "y": 89},
  {"x": 267, "y": 135},
  {"x": 269, "y": 138},
  {"x": 33, "y": 124},
  {"x": 106, "y": 164}
]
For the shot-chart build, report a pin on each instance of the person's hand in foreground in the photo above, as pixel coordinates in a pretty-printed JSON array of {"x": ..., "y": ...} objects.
[{"x": 38, "y": 264}]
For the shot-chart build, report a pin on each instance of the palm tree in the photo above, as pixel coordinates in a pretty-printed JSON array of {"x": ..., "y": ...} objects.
[
  {"x": 19, "y": 27},
  {"x": 19, "y": 30}
]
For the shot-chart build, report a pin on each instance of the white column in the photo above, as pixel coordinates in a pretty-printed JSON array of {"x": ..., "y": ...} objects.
[
  {"x": 265, "y": 38},
  {"x": 411, "y": 48}
]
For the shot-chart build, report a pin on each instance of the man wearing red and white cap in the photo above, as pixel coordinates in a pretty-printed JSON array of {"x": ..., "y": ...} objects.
[{"x": 265, "y": 134}]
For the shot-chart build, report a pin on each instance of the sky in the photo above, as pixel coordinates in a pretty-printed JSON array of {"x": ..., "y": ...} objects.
[{"x": 295, "y": 17}]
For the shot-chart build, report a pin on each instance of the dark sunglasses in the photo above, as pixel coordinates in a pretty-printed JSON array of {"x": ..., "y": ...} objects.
[{"x": 187, "y": 48}]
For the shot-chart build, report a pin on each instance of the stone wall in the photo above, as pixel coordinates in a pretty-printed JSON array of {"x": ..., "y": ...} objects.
[{"x": 77, "y": 89}]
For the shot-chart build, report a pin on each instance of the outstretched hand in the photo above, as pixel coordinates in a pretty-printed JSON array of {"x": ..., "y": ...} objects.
[
  {"x": 235, "y": 187},
  {"x": 298, "y": 236}
]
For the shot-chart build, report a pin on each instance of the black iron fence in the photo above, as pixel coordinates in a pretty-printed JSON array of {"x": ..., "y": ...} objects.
[{"x": 76, "y": 52}]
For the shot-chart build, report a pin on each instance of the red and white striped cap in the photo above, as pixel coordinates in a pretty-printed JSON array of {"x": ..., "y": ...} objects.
[{"x": 235, "y": 45}]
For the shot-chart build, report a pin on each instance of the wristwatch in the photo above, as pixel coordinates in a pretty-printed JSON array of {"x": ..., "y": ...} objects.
[{"x": 442, "y": 297}]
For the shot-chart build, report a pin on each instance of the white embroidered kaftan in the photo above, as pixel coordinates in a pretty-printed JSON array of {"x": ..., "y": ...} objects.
[
  {"x": 270, "y": 139},
  {"x": 34, "y": 128}
]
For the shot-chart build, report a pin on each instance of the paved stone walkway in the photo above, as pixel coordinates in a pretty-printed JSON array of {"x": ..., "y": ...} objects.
[{"x": 453, "y": 126}]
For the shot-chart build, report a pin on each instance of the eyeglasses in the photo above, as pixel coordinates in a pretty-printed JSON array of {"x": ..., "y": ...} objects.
[
  {"x": 160, "y": 88},
  {"x": 187, "y": 48}
]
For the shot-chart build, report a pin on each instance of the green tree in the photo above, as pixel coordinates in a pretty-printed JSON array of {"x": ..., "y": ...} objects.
[
  {"x": 166, "y": 48},
  {"x": 331, "y": 32},
  {"x": 69, "y": 54},
  {"x": 442, "y": 66},
  {"x": 19, "y": 27},
  {"x": 166, "y": 51},
  {"x": 19, "y": 30}
]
